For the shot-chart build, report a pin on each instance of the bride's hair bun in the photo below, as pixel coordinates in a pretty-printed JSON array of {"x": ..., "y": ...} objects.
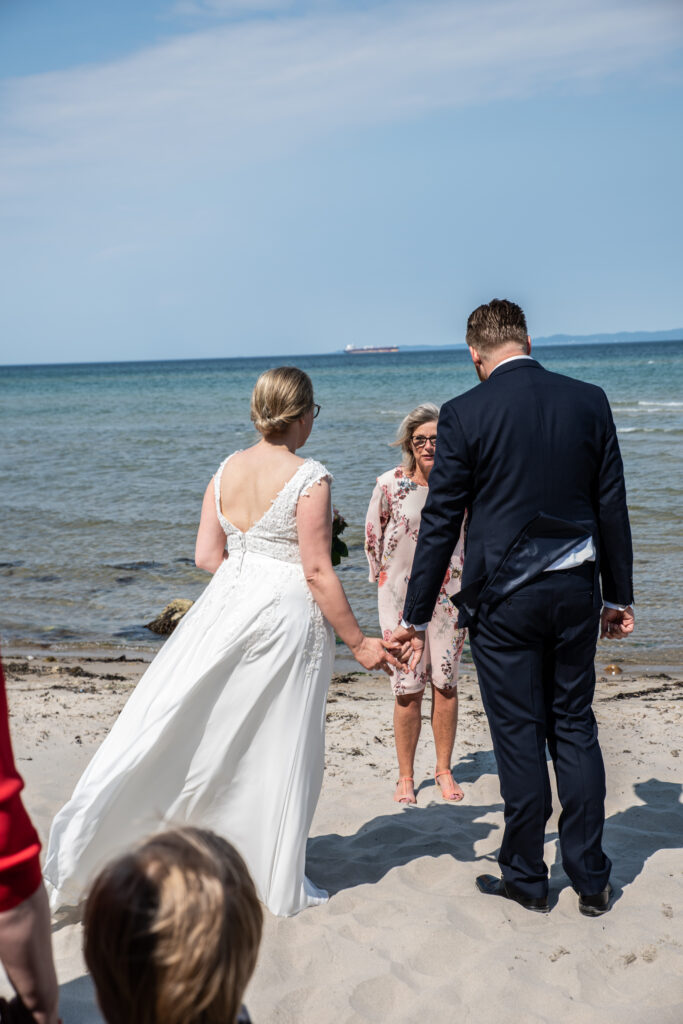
[{"x": 280, "y": 397}]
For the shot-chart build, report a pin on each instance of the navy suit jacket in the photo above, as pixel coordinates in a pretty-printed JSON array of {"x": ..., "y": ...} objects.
[{"x": 533, "y": 457}]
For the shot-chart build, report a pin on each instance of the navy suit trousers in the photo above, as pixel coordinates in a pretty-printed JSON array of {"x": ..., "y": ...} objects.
[{"x": 534, "y": 655}]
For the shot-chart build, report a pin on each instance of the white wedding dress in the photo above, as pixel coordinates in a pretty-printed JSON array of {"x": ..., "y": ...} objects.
[{"x": 225, "y": 730}]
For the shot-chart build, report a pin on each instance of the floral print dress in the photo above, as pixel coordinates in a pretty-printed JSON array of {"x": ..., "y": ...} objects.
[{"x": 391, "y": 528}]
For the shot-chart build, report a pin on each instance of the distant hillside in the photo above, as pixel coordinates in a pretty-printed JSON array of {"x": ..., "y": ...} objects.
[{"x": 610, "y": 339}]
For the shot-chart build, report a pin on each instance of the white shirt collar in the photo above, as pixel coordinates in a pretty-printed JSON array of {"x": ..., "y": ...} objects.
[{"x": 509, "y": 360}]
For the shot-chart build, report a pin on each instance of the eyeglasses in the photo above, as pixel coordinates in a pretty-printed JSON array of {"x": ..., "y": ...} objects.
[
  {"x": 316, "y": 409},
  {"x": 419, "y": 441}
]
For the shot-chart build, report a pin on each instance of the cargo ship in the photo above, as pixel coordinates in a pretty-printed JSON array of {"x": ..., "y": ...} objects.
[{"x": 369, "y": 350}]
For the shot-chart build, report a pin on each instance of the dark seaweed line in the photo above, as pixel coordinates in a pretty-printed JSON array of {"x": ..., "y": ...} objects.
[{"x": 627, "y": 695}]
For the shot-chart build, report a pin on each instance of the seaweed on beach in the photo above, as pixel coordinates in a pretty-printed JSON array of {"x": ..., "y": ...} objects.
[{"x": 650, "y": 691}]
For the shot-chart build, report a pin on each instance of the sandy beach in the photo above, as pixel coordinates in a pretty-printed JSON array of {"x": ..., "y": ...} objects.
[{"x": 405, "y": 936}]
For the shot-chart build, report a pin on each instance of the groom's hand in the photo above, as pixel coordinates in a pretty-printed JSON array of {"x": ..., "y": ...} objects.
[
  {"x": 616, "y": 623},
  {"x": 415, "y": 638},
  {"x": 373, "y": 653}
]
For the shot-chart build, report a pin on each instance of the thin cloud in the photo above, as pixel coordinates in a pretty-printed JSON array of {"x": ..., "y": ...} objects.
[
  {"x": 252, "y": 87},
  {"x": 229, "y": 8},
  {"x": 258, "y": 8}
]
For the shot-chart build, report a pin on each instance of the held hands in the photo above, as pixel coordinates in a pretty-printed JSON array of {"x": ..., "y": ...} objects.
[
  {"x": 616, "y": 624},
  {"x": 412, "y": 644},
  {"x": 373, "y": 653}
]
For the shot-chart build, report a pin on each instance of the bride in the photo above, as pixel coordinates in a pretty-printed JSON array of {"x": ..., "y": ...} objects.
[{"x": 225, "y": 730}]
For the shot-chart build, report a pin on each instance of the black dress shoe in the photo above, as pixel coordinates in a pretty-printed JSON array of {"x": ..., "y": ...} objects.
[
  {"x": 492, "y": 886},
  {"x": 593, "y": 906}
]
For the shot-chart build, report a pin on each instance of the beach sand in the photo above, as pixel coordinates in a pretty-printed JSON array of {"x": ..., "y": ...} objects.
[{"x": 406, "y": 936}]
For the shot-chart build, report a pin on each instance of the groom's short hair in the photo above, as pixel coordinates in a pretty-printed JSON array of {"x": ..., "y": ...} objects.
[{"x": 497, "y": 323}]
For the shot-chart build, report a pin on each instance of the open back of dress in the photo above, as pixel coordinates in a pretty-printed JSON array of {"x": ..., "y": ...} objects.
[{"x": 225, "y": 730}]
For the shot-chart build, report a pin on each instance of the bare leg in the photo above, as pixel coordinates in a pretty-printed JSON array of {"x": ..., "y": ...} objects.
[
  {"x": 444, "y": 725},
  {"x": 407, "y": 724},
  {"x": 26, "y": 952}
]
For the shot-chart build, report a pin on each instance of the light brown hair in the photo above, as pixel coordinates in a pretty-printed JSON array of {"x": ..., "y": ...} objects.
[
  {"x": 424, "y": 413},
  {"x": 172, "y": 930},
  {"x": 495, "y": 324},
  {"x": 280, "y": 397}
]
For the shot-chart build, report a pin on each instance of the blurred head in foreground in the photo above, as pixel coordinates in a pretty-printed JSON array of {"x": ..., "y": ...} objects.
[{"x": 172, "y": 930}]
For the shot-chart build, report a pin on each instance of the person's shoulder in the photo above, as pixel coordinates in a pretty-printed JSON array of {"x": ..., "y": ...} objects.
[
  {"x": 311, "y": 469},
  {"x": 578, "y": 387},
  {"x": 462, "y": 401},
  {"x": 242, "y": 458},
  {"x": 306, "y": 480},
  {"x": 233, "y": 457},
  {"x": 391, "y": 477}
]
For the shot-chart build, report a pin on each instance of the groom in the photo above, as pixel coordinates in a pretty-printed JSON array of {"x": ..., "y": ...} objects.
[{"x": 533, "y": 456}]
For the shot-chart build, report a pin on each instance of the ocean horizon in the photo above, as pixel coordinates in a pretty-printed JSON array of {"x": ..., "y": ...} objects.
[{"x": 552, "y": 341}]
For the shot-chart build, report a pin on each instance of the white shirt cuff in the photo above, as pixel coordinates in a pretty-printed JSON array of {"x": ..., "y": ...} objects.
[
  {"x": 411, "y": 625},
  {"x": 617, "y": 607}
]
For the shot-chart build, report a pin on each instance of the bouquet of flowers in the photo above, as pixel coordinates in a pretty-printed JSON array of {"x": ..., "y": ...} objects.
[{"x": 339, "y": 548}]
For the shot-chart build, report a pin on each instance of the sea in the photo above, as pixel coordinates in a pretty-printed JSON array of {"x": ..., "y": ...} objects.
[{"x": 104, "y": 466}]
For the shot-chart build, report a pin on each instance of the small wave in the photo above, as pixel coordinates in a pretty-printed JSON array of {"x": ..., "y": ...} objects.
[
  {"x": 136, "y": 633},
  {"x": 662, "y": 405},
  {"x": 132, "y": 566},
  {"x": 33, "y": 574},
  {"x": 645, "y": 408},
  {"x": 648, "y": 430}
]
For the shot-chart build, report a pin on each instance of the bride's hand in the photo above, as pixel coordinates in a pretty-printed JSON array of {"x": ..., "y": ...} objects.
[{"x": 373, "y": 653}]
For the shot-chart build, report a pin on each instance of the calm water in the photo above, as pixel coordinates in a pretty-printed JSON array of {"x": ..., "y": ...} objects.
[{"x": 104, "y": 466}]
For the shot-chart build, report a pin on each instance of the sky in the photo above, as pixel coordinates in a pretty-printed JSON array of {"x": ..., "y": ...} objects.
[{"x": 209, "y": 178}]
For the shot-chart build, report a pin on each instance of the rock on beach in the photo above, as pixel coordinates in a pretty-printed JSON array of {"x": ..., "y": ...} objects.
[{"x": 169, "y": 618}]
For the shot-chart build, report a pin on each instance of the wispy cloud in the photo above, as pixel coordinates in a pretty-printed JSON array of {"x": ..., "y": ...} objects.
[
  {"x": 259, "y": 8},
  {"x": 254, "y": 85},
  {"x": 230, "y": 8}
]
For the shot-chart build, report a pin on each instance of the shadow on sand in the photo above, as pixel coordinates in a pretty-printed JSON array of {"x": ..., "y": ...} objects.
[
  {"x": 338, "y": 862},
  {"x": 632, "y": 836}
]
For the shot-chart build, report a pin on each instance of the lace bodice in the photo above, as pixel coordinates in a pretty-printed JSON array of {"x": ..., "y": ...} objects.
[{"x": 275, "y": 533}]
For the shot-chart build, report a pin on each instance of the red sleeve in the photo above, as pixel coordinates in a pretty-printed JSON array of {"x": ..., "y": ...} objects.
[{"x": 19, "y": 844}]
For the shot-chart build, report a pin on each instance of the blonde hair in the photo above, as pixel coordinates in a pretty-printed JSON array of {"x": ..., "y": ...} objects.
[
  {"x": 424, "y": 413},
  {"x": 172, "y": 930},
  {"x": 280, "y": 397}
]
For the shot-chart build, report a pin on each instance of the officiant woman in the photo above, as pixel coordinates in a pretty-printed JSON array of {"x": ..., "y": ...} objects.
[{"x": 391, "y": 529}]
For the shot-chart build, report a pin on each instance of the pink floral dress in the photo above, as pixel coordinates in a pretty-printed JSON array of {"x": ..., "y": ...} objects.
[{"x": 391, "y": 528}]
